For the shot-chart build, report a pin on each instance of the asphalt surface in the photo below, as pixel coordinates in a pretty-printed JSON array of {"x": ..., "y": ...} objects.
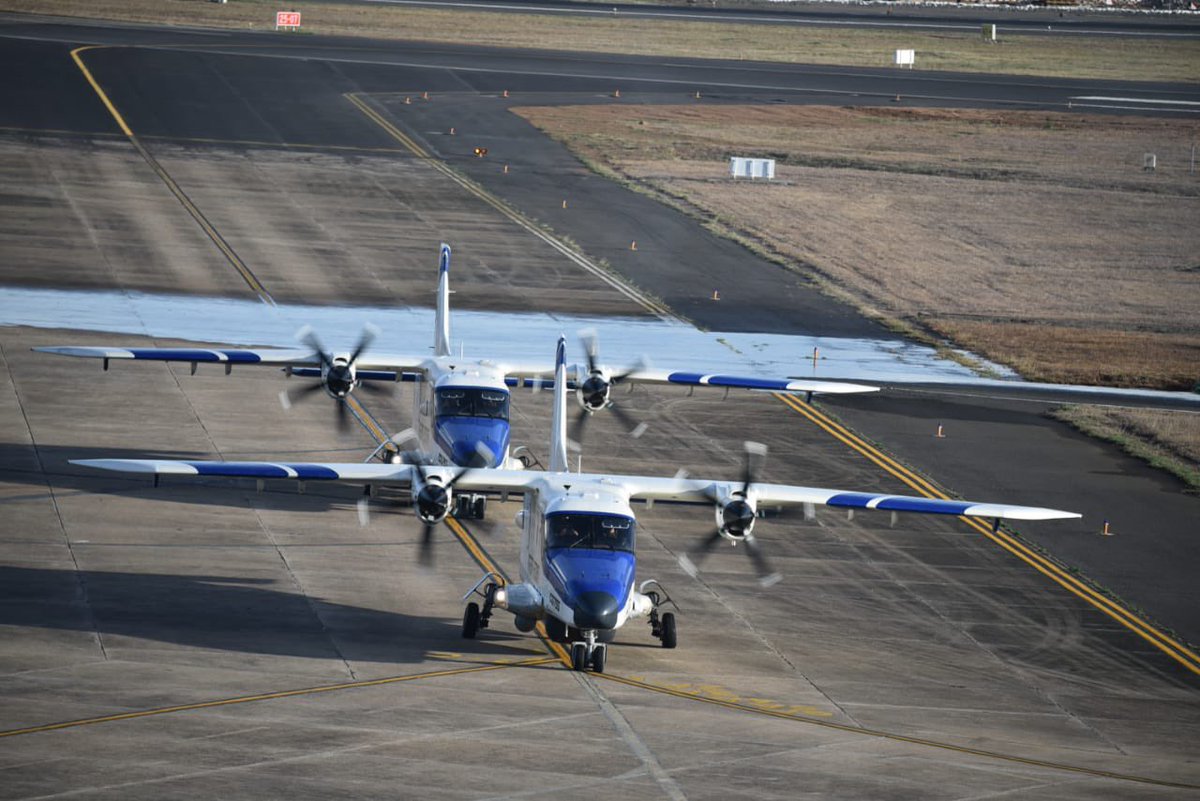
[{"x": 122, "y": 599}]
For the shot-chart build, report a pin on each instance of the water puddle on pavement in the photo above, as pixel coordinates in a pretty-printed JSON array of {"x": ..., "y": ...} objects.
[{"x": 507, "y": 336}]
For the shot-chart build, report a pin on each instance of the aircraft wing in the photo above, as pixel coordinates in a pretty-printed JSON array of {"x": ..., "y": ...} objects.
[
  {"x": 478, "y": 479},
  {"x": 542, "y": 376},
  {"x": 685, "y": 490},
  {"x": 767, "y": 495},
  {"x": 278, "y": 357}
]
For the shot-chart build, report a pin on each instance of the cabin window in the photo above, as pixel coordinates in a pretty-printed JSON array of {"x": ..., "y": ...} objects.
[{"x": 597, "y": 532}]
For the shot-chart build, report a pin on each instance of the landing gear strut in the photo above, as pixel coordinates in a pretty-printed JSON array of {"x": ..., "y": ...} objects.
[
  {"x": 477, "y": 617},
  {"x": 661, "y": 626},
  {"x": 589, "y": 653},
  {"x": 469, "y": 506}
]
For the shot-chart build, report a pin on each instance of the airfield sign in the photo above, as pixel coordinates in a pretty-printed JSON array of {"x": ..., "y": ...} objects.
[{"x": 287, "y": 19}]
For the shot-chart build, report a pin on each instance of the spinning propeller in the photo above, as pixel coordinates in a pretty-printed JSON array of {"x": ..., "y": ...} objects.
[
  {"x": 338, "y": 377},
  {"x": 736, "y": 513},
  {"x": 593, "y": 392}
]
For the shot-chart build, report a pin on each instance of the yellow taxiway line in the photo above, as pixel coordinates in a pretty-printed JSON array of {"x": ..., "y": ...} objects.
[
  {"x": 248, "y": 699},
  {"x": 1168, "y": 645},
  {"x": 226, "y": 250}
]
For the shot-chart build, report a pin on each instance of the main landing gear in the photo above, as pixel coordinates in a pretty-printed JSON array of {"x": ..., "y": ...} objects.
[
  {"x": 470, "y": 506},
  {"x": 476, "y": 617},
  {"x": 661, "y": 626}
]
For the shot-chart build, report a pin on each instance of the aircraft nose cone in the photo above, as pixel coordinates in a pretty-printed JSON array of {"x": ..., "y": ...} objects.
[
  {"x": 472, "y": 454},
  {"x": 596, "y": 610}
]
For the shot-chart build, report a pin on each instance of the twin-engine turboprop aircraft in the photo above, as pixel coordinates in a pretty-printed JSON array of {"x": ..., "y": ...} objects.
[
  {"x": 578, "y": 531},
  {"x": 460, "y": 405}
]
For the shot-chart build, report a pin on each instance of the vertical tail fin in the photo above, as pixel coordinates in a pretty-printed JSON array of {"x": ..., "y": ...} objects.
[
  {"x": 441, "y": 321},
  {"x": 558, "y": 432}
]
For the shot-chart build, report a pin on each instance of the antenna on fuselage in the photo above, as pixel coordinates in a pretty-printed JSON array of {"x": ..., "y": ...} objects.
[{"x": 441, "y": 321}]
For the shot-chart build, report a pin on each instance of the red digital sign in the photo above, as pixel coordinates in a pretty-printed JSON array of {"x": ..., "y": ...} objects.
[{"x": 287, "y": 19}]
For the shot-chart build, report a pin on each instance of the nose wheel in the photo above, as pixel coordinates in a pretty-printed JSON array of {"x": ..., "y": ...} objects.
[{"x": 589, "y": 653}]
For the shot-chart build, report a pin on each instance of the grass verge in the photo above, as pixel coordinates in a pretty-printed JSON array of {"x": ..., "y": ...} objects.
[
  {"x": 1167, "y": 440},
  {"x": 960, "y": 51}
]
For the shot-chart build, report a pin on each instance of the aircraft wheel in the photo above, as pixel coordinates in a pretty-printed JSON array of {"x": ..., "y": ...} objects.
[
  {"x": 479, "y": 507},
  {"x": 579, "y": 656},
  {"x": 471, "y": 621},
  {"x": 599, "y": 658},
  {"x": 668, "y": 630}
]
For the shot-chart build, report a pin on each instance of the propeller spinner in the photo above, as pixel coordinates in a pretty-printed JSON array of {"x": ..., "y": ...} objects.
[
  {"x": 594, "y": 390},
  {"x": 338, "y": 377}
]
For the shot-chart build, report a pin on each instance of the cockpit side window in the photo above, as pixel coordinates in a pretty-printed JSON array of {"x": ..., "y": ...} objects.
[
  {"x": 603, "y": 532},
  {"x": 472, "y": 402}
]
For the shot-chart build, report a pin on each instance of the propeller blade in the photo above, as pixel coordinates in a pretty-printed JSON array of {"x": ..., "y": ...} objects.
[
  {"x": 641, "y": 364},
  {"x": 690, "y": 560},
  {"x": 575, "y": 435},
  {"x": 364, "y": 511},
  {"x": 309, "y": 337},
  {"x": 288, "y": 397},
  {"x": 591, "y": 347},
  {"x": 376, "y": 388},
  {"x": 756, "y": 454},
  {"x": 635, "y": 428},
  {"x": 425, "y": 554},
  {"x": 364, "y": 341},
  {"x": 766, "y": 576},
  {"x": 343, "y": 418}
]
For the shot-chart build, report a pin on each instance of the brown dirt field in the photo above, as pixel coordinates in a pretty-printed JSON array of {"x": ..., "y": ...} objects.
[
  {"x": 1014, "y": 233},
  {"x": 962, "y": 51}
]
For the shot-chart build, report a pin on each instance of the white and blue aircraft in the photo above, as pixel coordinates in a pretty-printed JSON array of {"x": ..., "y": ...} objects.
[
  {"x": 460, "y": 405},
  {"x": 578, "y": 531}
]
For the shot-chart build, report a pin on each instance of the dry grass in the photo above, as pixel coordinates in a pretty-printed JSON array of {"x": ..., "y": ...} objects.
[
  {"x": 1016, "y": 233},
  {"x": 959, "y": 51},
  {"x": 1169, "y": 440}
]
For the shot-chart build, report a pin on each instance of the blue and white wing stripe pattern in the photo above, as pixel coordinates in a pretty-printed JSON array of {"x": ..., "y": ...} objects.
[
  {"x": 301, "y": 471},
  {"x": 747, "y": 382},
  {"x": 228, "y": 356}
]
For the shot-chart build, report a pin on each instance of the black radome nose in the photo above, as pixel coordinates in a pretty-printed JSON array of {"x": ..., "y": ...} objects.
[{"x": 596, "y": 610}]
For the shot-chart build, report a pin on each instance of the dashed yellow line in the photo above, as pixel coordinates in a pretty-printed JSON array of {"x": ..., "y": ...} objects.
[
  {"x": 902, "y": 738},
  {"x": 226, "y": 250},
  {"x": 1168, "y": 645},
  {"x": 248, "y": 699}
]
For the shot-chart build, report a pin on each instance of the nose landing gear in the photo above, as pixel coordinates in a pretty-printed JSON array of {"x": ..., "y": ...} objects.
[{"x": 589, "y": 653}]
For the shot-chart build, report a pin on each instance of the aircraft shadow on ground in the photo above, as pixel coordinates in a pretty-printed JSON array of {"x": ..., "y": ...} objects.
[{"x": 228, "y": 613}]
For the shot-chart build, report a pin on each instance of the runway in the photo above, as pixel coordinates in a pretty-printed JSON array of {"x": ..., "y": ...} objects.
[{"x": 199, "y": 640}]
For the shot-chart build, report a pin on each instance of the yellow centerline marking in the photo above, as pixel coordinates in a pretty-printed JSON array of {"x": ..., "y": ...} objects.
[
  {"x": 248, "y": 699},
  {"x": 903, "y": 738},
  {"x": 165, "y": 177},
  {"x": 509, "y": 212},
  {"x": 485, "y": 561},
  {"x": 1171, "y": 647}
]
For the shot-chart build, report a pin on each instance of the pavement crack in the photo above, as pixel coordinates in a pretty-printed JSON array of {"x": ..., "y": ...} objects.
[{"x": 80, "y": 577}]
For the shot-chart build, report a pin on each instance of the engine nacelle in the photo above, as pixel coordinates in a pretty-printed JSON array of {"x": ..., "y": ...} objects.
[
  {"x": 736, "y": 516},
  {"x": 432, "y": 501},
  {"x": 523, "y": 600},
  {"x": 339, "y": 377},
  {"x": 592, "y": 392}
]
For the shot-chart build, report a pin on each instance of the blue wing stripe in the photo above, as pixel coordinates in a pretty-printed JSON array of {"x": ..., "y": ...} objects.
[
  {"x": 195, "y": 355},
  {"x": 726, "y": 381},
  {"x": 924, "y": 505},
  {"x": 314, "y": 472},
  {"x": 856, "y": 500},
  {"x": 866, "y": 500},
  {"x": 253, "y": 469}
]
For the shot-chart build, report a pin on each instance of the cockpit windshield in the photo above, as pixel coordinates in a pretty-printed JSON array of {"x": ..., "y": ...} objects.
[
  {"x": 472, "y": 402},
  {"x": 578, "y": 530}
]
